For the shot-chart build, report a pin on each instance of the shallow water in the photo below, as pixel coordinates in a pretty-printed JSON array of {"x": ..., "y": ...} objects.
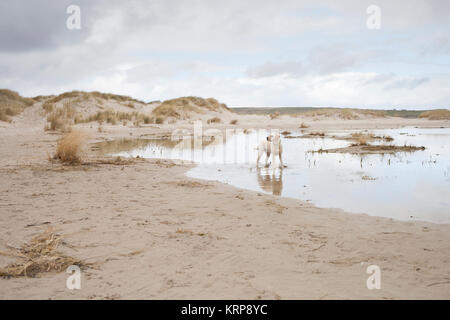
[{"x": 404, "y": 186}]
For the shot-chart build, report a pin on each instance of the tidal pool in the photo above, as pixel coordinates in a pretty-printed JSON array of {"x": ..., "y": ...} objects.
[{"x": 404, "y": 186}]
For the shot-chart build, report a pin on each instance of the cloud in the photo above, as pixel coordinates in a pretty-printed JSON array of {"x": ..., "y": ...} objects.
[
  {"x": 407, "y": 83},
  {"x": 37, "y": 25},
  {"x": 292, "y": 68},
  {"x": 438, "y": 45},
  {"x": 244, "y": 53},
  {"x": 321, "y": 59}
]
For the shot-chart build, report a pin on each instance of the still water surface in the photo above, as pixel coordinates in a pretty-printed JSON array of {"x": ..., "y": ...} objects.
[{"x": 404, "y": 186}]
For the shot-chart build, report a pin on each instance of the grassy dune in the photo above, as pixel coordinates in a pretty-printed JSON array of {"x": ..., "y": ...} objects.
[
  {"x": 182, "y": 108},
  {"x": 12, "y": 104}
]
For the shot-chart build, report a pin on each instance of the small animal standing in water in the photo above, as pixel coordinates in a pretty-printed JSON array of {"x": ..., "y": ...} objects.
[{"x": 271, "y": 146}]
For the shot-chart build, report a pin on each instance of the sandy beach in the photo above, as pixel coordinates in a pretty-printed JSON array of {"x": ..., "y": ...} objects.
[{"x": 149, "y": 232}]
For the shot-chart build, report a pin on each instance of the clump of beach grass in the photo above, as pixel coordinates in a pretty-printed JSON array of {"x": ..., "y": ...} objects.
[
  {"x": 60, "y": 119},
  {"x": 38, "y": 256},
  {"x": 361, "y": 141},
  {"x": 12, "y": 104},
  {"x": 303, "y": 125},
  {"x": 362, "y": 138},
  {"x": 114, "y": 117},
  {"x": 48, "y": 107},
  {"x": 214, "y": 120},
  {"x": 69, "y": 147},
  {"x": 274, "y": 115}
]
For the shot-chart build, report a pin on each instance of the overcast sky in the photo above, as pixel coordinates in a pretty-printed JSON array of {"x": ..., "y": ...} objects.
[{"x": 244, "y": 53}]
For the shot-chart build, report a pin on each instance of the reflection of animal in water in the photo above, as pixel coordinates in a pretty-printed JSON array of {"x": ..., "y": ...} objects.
[
  {"x": 271, "y": 146},
  {"x": 271, "y": 180}
]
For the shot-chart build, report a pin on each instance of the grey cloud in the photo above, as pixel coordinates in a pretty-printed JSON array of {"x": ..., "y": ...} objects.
[
  {"x": 41, "y": 24},
  {"x": 324, "y": 59},
  {"x": 334, "y": 58},
  {"x": 37, "y": 51}
]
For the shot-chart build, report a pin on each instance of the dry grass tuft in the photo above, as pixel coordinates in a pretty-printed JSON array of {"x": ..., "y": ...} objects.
[
  {"x": 38, "y": 256},
  {"x": 233, "y": 122},
  {"x": 214, "y": 120},
  {"x": 274, "y": 115},
  {"x": 192, "y": 184},
  {"x": 114, "y": 117},
  {"x": 361, "y": 141},
  {"x": 362, "y": 138},
  {"x": 12, "y": 104},
  {"x": 371, "y": 149},
  {"x": 303, "y": 125},
  {"x": 60, "y": 118},
  {"x": 69, "y": 147},
  {"x": 190, "y": 233},
  {"x": 48, "y": 107}
]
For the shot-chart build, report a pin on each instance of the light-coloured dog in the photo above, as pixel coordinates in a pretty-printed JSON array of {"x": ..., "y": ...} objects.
[{"x": 271, "y": 146}]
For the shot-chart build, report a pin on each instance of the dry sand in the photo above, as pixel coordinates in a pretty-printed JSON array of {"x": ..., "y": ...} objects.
[{"x": 153, "y": 233}]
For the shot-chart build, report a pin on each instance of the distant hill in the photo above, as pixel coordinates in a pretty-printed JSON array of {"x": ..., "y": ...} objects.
[{"x": 321, "y": 111}]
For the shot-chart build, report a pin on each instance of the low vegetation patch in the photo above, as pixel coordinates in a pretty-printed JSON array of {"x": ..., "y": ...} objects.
[
  {"x": 440, "y": 114},
  {"x": 12, "y": 104},
  {"x": 184, "y": 107},
  {"x": 82, "y": 96},
  {"x": 369, "y": 178},
  {"x": 303, "y": 126},
  {"x": 38, "y": 256},
  {"x": 364, "y": 138},
  {"x": 274, "y": 115},
  {"x": 114, "y": 117},
  {"x": 69, "y": 147},
  {"x": 48, "y": 107},
  {"x": 60, "y": 118},
  {"x": 371, "y": 149},
  {"x": 214, "y": 120}
]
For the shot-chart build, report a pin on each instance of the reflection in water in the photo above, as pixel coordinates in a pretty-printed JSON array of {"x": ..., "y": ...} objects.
[
  {"x": 271, "y": 180},
  {"x": 405, "y": 186}
]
